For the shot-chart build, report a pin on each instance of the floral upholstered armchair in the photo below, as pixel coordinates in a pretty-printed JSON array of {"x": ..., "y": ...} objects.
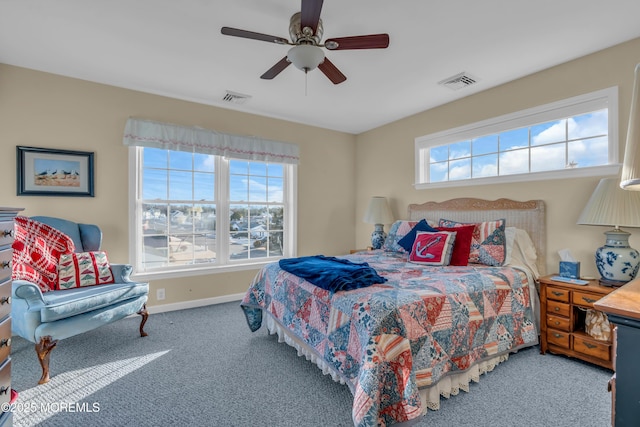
[{"x": 64, "y": 286}]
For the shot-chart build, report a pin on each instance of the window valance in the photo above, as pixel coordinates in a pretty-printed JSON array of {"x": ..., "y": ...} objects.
[{"x": 149, "y": 133}]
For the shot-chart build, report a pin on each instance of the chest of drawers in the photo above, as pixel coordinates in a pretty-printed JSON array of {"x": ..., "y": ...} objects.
[
  {"x": 623, "y": 308},
  {"x": 6, "y": 239},
  {"x": 562, "y": 321}
]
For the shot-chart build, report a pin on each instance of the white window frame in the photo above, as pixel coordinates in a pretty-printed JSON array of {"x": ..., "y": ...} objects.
[
  {"x": 605, "y": 98},
  {"x": 223, "y": 263}
]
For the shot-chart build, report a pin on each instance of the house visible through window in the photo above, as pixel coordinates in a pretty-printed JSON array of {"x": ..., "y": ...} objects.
[
  {"x": 256, "y": 209},
  {"x": 197, "y": 212},
  {"x": 181, "y": 202},
  {"x": 578, "y": 133}
]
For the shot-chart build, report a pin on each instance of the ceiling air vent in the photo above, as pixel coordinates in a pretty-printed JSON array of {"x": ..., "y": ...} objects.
[
  {"x": 235, "y": 97},
  {"x": 458, "y": 81}
]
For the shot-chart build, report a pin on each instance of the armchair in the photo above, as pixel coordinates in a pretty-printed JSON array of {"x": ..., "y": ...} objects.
[{"x": 46, "y": 317}]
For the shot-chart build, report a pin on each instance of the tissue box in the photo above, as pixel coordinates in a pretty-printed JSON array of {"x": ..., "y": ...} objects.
[{"x": 570, "y": 269}]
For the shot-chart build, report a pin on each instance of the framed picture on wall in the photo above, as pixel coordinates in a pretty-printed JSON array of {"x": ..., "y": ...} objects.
[{"x": 48, "y": 172}]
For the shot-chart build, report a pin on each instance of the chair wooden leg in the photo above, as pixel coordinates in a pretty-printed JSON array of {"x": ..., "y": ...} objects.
[
  {"x": 43, "y": 349},
  {"x": 145, "y": 314}
]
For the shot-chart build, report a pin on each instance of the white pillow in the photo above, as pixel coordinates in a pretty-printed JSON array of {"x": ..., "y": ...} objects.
[
  {"x": 522, "y": 252},
  {"x": 510, "y": 235}
]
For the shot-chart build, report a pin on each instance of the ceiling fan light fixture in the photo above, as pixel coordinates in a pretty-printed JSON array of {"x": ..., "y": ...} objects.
[{"x": 305, "y": 57}]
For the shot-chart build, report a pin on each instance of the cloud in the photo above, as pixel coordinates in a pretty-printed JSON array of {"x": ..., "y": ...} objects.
[
  {"x": 257, "y": 191},
  {"x": 580, "y": 139}
]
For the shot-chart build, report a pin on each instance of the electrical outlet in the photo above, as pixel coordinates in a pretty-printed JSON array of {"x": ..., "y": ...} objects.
[{"x": 160, "y": 294}]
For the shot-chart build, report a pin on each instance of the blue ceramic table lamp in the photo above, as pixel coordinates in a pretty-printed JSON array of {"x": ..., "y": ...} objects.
[
  {"x": 378, "y": 213},
  {"x": 610, "y": 205}
]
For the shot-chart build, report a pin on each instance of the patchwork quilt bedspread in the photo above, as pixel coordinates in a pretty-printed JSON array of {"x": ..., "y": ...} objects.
[{"x": 389, "y": 340}]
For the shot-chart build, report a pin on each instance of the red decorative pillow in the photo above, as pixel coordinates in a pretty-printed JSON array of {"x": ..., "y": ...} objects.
[
  {"x": 432, "y": 248},
  {"x": 462, "y": 244},
  {"x": 36, "y": 250},
  {"x": 83, "y": 269}
]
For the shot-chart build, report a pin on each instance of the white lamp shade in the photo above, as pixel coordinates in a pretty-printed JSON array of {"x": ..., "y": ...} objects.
[
  {"x": 378, "y": 211},
  {"x": 611, "y": 205},
  {"x": 630, "y": 179},
  {"x": 305, "y": 57}
]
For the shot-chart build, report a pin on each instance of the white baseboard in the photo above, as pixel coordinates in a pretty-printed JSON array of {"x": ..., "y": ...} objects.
[{"x": 194, "y": 303}]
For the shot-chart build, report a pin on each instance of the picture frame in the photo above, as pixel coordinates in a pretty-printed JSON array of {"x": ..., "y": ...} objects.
[{"x": 51, "y": 172}]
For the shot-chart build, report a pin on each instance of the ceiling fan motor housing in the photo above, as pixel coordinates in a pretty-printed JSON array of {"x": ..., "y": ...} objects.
[{"x": 304, "y": 35}]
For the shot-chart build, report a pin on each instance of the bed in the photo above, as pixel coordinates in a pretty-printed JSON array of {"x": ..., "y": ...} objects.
[{"x": 428, "y": 330}]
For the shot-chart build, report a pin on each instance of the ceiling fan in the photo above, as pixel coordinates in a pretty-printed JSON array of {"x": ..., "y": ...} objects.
[{"x": 305, "y": 29}]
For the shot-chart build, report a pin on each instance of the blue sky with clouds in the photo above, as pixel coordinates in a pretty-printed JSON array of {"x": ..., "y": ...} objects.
[{"x": 578, "y": 141}]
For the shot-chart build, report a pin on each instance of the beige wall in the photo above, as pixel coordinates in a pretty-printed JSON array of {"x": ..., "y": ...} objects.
[
  {"x": 385, "y": 156},
  {"x": 44, "y": 110}
]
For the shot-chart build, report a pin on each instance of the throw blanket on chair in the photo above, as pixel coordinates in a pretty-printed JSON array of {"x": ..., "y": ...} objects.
[{"x": 331, "y": 273}]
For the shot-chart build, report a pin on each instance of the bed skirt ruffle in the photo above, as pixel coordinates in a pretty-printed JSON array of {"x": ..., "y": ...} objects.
[{"x": 430, "y": 397}]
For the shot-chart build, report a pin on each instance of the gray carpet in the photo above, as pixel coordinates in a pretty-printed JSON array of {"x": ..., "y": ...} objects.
[{"x": 202, "y": 367}]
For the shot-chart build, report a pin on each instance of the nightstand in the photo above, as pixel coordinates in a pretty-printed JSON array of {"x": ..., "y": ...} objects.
[
  {"x": 562, "y": 321},
  {"x": 353, "y": 251}
]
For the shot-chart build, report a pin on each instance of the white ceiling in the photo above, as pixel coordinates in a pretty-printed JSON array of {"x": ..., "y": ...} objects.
[{"x": 175, "y": 48}]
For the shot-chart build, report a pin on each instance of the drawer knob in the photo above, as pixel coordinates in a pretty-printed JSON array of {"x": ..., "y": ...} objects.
[
  {"x": 589, "y": 300},
  {"x": 589, "y": 345},
  {"x": 7, "y": 233},
  {"x": 5, "y": 342},
  {"x": 557, "y": 293},
  {"x": 5, "y": 300},
  {"x": 556, "y": 308},
  {"x": 557, "y": 323},
  {"x": 557, "y": 335}
]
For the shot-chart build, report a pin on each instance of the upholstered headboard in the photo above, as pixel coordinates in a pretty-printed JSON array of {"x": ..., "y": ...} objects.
[{"x": 529, "y": 216}]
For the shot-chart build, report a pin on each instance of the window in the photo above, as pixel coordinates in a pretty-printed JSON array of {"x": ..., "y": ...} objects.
[
  {"x": 197, "y": 212},
  {"x": 256, "y": 214},
  {"x": 574, "y": 137}
]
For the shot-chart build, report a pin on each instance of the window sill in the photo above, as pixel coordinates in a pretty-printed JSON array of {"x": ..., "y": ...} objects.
[
  {"x": 606, "y": 170},
  {"x": 171, "y": 274}
]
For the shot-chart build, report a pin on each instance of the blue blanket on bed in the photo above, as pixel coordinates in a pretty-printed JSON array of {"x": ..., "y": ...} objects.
[{"x": 332, "y": 274}]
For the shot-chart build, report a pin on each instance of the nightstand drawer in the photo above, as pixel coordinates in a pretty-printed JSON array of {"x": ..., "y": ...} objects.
[
  {"x": 558, "y": 294},
  {"x": 558, "y": 308},
  {"x": 558, "y": 338},
  {"x": 592, "y": 347},
  {"x": 563, "y": 317},
  {"x": 561, "y": 323},
  {"x": 584, "y": 299}
]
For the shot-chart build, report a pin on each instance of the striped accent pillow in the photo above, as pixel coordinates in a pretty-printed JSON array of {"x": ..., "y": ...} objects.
[
  {"x": 489, "y": 241},
  {"x": 83, "y": 269}
]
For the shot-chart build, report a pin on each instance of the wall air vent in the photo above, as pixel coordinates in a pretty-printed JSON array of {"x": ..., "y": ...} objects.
[
  {"x": 235, "y": 97},
  {"x": 458, "y": 81}
]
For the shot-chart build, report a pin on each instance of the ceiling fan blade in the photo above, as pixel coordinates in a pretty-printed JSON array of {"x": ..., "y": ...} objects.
[
  {"x": 276, "y": 69},
  {"x": 228, "y": 31},
  {"x": 310, "y": 14},
  {"x": 332, "y": 72},
  {"x": 371, "y": 41}
]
